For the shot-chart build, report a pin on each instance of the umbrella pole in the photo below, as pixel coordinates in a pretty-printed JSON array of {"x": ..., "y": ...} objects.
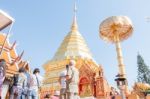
[
  {"x": 120, "y": 57},
  {"x": 122, "y": 74}
]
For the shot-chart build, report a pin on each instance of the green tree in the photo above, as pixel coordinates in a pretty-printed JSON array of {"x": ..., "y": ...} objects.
[{"x": 143, "y": 70}]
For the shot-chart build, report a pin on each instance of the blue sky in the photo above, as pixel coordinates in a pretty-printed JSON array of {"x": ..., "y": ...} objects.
[{"x": 41, "y": 25}]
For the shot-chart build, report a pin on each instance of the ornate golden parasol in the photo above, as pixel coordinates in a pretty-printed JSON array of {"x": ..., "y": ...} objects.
[{"x": 116, "y": 29}]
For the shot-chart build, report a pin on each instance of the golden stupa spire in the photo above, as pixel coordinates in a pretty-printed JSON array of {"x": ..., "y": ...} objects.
[
  {"x": 74, "y": 26},
  {"x": 72, "y": 47},
  {"x": 73, "y": 44}
]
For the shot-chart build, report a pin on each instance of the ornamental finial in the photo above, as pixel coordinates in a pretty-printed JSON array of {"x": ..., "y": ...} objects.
[{"x": 74, "y": 24}]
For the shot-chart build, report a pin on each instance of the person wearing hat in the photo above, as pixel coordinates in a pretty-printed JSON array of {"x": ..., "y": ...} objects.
[
  {"x": 2, "y": 74},
  {"x": 73, "y": 80},
  {"x": 36, "y": 81},
  {"x": 19, "y": 84}
]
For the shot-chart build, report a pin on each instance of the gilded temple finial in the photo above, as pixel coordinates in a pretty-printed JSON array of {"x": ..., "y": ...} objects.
[
  {"x": 74, "y": 26},
  {"x": 75, "y": 8}
]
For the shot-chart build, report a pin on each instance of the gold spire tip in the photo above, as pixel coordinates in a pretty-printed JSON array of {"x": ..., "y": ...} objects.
[
  {"x": 75, "y": 8},
  {"x": 74, "y": 24}
]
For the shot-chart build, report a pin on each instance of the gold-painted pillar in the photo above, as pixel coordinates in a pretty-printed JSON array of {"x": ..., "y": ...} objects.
[
  {"x": 121, "y": 64},
  {"x": 120, "y": 57}
]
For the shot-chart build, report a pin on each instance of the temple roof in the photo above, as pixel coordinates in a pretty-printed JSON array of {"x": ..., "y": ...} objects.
[
  {"x": 9, "y": 53},
  {"x": 11, "y": 57},
  {"x": 13, "y": 53},
  {"x": 2, "y": 38}
]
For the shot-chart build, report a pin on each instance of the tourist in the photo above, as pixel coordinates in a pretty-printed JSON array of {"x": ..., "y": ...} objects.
[
  {"x": 56, "y": 95},
  {"x": 62, "y": 81},
  {"x": 2, "y": 74},
  {"x": 18, "y": 85},
  {"x": 35, "y": 84},
  {"x": 73, "y": 80},
  {"x": 27, "y": 74}
]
